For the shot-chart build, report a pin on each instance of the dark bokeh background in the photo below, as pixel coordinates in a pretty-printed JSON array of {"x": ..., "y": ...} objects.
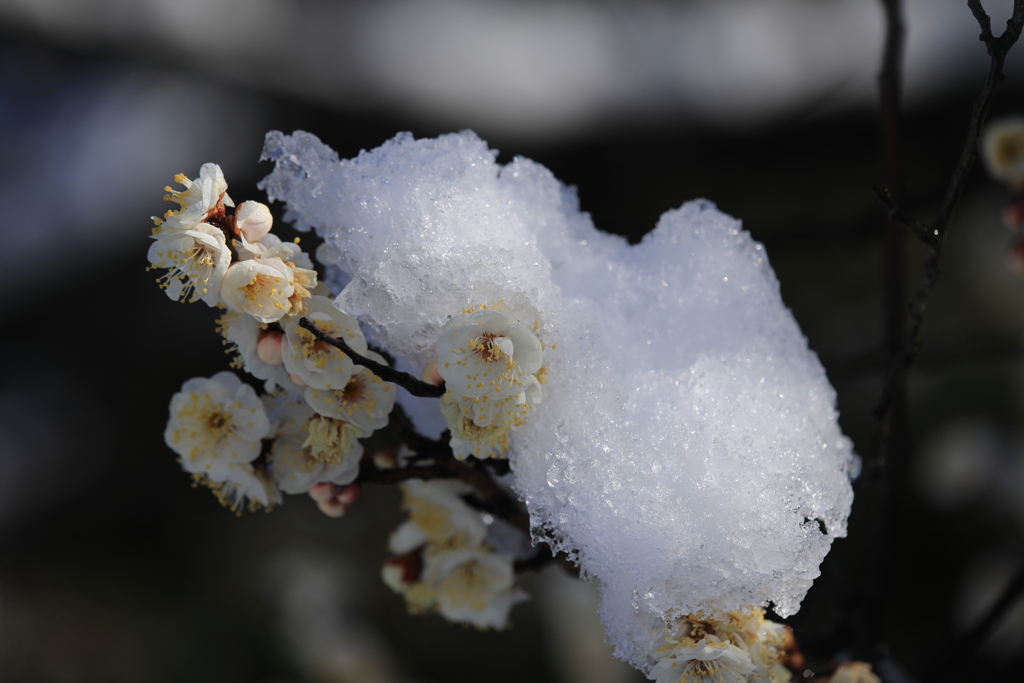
[{"x": 113, "y": 568}]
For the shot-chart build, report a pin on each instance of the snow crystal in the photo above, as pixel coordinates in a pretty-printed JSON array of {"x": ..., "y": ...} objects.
[{"x": 686, "y": 451}]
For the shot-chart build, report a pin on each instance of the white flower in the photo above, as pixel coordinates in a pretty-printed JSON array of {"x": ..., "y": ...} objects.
[
  {"x": 471, "y": 586},
  {"x": 243, "y": 485},
  {"x": 764, "y": 642},
  {"x": 438, "y": 515},
  {"x": 198, "y": 201},
  {"x": 488, "y": 355},
  {"x": 704, "y": 661},
  {"x": 291, "y": 461},
  {"x": 304, "y": 277},
  {"x": 319, "y": 364},
  {"x": 469, "y": 438},
  {"x": 245, "y": 335},
  {"x": 253, "y": 220},
  {"x": 365, "y": 401},
  {"x": 1003, "y": 150},
  {"x": 333, "y": 442},
  {"x": 260, "y": 287},
  {"x": 196, "y": 261},
  {"x": 854, "y": 672},
  {"x": 216, "y": 423}
]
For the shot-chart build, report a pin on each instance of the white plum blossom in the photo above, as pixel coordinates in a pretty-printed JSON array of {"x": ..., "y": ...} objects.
[
  {"x": 742, "y": 646},
  {"x": 487, "y": 355},
  {"x": 365, "y": 401},
  {"x": 247, "y": 337},
  {"x": 439, "y": 516},
  {"x": 469, "y": 438},
  {"x": 304, "y": 276},
  {"x": 215, "y": 422},
  {"x": 291, "y": 461},
  {"x": 703, "y": 661},
  {"x": 854, "y": 672},
  {"x": 1003, "y": 150},
  {"x": 216, "y": 426},
  {"x": 198, "y": 201},
  {"x": 471, "y": 586},
  {"x": 245, "y": 485},
  {"x": 260, "y": 287},
  {"x": 196, "y": 260},
  {"x": 333, "y": 442},
  {"x": 318, "y": 364}
]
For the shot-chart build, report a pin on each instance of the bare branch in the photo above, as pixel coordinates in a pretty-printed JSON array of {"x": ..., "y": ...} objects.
[
  {"x": 920, "y": 230},
  {"x": 997, "y": 49},
  {"x": 414, "y": 386}
]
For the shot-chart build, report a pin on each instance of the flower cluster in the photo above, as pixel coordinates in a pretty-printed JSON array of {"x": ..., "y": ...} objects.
[
  {"x": 741, "y": 647},
  {"x": 1002, "y": 152},
  {"x": 305, "y": 432},
  {"x": 493, "y": 369},
  {"x": 441, "y": 559}
]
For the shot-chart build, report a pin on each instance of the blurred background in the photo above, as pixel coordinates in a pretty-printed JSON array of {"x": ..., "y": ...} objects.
[{"x": 113, "y": 568}]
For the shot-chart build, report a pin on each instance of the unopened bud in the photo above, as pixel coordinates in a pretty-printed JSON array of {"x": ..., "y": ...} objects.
[
  {"x": 298, "y": 380},
  {"x": 1013, "y": 214},
  {"x": 349, "y": 494},
  {"x": 253, "y": 220},
  {"x": 333, "y": 508},
  {"x": 431, "y": 375},
  {"x": 393, "y": 574},
  {"x": 323, "y": 492},
  {"x": 268, "y": 348}
]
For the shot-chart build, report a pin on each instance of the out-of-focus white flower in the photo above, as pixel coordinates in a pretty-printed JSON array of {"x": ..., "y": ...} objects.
[
  {"x": 333, "y": 442},
  {"x": 764, "y": 642},
  {"x": 260, "y": 287},
  {"x": 196, "y": 260},
  {"x": 1003, "y": 150},
  {"x": 488, "y": 355},
  {"x": 243, "y": 485},
  {"x": 471, "y": 586},
  {"x": 198, "y": 201},
  {"x": 291, "y": 461},
  {"x": 215, "y": 423},
  {"x": 703, "y": 661},
  {"x": 365, "y": 402},
  {"x": 253, "y": 220},
  {"x": 854, "y": 672},
  {"x": 469, "y": 438},
  {"x": 438, "y": 515},
  {"x": 246, "y": 336},
  {"x": 319, "y": 364}
]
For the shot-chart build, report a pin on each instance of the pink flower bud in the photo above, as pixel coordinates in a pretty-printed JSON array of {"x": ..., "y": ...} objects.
[
  {"x": 298, "y": 380},
  {"x": 253, "y": 220},
  {"x": 268, "y": 348},
  {"x": 332, "y": 508},
  {"x": 431, "y": 375},
  {"x": 349, "y": 494},
  {"x": 1013, "y": 214},
  {"x": 323, "y": 492}
]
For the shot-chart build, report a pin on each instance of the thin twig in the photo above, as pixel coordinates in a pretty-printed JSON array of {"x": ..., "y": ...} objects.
[
  {"x": 414, "y": 386},
  {"x": 921, "y": 231},
  {"x": 997, "y": 50}
]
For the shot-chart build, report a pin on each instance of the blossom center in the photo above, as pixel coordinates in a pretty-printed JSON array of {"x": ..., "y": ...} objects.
[{"x": 491, "y": 347}]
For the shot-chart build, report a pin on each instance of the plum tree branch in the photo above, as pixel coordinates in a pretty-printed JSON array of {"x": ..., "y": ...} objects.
[
  {"x": 414, "y": 386},
  {"x": 934, "y": 233}
]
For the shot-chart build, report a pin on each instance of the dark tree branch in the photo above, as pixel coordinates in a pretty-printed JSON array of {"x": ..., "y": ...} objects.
[
  {"x": 403, "y": 379},
  {"x": 997, "y": 49},
  {"x": 885, "y": 198}
]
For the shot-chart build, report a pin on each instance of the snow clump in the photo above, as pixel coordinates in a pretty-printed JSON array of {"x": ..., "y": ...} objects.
[{"x": 686, "y": 452}]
